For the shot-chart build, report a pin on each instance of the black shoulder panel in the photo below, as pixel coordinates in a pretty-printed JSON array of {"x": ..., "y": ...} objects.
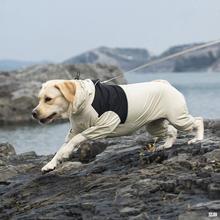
[{"x": 110, "y": 98}]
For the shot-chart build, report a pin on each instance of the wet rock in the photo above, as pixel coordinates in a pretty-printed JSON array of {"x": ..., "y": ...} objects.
[
  {"x": 214, "y": 190},
  {"x": 142, "y": 216},
  {"x": 213, "y": 156},
  {"x": 121, "y": 182},
  {"x": 194, "y": 216},
  {"x": 88, "y": 151},
  {"x": 7, "y": 172},
  {"x": 202, "y": 211},
  {"x": 129, "y": 211},
  {"x": 6, "y": 149},
  {"x": 67, "y": 166}
]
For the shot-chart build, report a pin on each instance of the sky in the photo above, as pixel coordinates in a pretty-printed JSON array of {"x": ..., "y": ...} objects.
[{"x": 56, "y": 30}]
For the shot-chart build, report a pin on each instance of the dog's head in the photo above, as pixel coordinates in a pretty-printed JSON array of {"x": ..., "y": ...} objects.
[{"x": 54, "y": 97}]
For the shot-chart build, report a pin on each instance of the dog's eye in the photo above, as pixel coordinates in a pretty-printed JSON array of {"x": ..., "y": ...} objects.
[{"x": 47, "y": 99}]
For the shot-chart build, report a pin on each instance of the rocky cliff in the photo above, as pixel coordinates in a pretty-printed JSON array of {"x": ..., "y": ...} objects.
[
  {"x": 199, "y": 61},
  {"x": 124, "y": 58},
  {"x": 123, "y": 181},
  {"x": 19, "y": 89},
  {"x": 205, "y": 60}
]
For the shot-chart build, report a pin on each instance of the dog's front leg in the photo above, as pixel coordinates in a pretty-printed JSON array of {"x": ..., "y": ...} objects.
[
  {"x": 104, "y": 126},
  {"x": 64, "y": 152}
]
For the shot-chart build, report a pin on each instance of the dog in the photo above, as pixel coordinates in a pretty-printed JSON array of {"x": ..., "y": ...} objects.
[{"x": 96, "y": 110}]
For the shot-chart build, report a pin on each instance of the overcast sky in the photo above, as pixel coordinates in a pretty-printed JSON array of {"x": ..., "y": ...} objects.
[{"x": 58, "y": 29}]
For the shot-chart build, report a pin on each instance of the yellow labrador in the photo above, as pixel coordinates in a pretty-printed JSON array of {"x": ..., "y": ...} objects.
[{"x": 96, "y": 110}]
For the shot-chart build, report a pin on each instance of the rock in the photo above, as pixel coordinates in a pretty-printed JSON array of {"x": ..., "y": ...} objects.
[
  {"x": 213, "y": 156},
  {"x": 214, "y": 190},
  {"x": 19, "y": 89},
  {"x": 142, "y": 216},
  {"x": 202, "y": 211},
  {"x": 6, "y": 149},
  {"x": 88, "y": 151},
  {"x": 128, "y": 211},
  {"x": 7, "y": 172},
  {"x": 194, "y": 216},
  {"x": 198, "y": 61},
  {"x": 211, "y": 205},
  {"x": 124, "y": 58},
  {"x": 121, "y": 182},
  {"x": 205, "y": 60},
  {"x": 68, "y": 166}
]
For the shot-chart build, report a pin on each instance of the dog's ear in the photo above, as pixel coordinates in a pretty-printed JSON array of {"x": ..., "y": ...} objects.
[{"x": 68, "y": 89}]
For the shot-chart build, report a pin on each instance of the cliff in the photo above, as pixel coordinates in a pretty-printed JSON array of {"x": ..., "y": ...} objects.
[
  {"x": 205, "y": 60},
  {"x": 124, "y": 58}
]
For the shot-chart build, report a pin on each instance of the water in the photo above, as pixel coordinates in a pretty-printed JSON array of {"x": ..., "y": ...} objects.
[
  {"x": 43, "y": 139},
  {"x": 201, "y": 90}
]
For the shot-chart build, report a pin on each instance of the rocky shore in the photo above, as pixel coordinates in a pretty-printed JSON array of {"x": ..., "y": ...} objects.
[
  {"x": 116, "y": 179},
  {"x": 19, "y": 89}
]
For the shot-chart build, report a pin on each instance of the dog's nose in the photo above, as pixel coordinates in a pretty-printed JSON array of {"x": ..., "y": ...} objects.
[{"x": 34, "y": 114}]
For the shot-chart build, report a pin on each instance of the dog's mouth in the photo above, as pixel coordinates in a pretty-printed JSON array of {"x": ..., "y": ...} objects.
[{"x": 48, "y": 119}]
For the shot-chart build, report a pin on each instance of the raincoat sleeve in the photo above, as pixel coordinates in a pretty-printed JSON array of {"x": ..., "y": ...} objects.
[
  {"x": 104, "y": 125},
  {"x": 72, "y": 132}
]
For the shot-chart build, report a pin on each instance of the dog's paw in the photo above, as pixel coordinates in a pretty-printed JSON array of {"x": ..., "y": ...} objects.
[
  {"x": 49, "y": 166},
  {"x": 163, "y": 147},
  {"x": 194, "y": 141},
  {"x": 160, "y": 148}
]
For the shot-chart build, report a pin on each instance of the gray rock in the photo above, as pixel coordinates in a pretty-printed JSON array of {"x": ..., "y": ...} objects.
[
  {"x": 210, "y": 205},
  {"x": 205, "y": 60},
  {"x": 142, "y": 216},
  {"x": 128, "y": 211},
  {"x": 195, "y": 216},
  {"x": 6, "y": 149},
  {"x": 124, "y": 58},
  {"x": 116, "y": 184},
  {"x": 68, "y": 166},
  {"x": 202, "y": 211},
  {"x": 214, "y": 190},
  {"x": 213, "y": 156}
]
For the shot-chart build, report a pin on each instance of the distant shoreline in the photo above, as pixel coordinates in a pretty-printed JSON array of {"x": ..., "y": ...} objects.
[{"x": 205, "y": 60}]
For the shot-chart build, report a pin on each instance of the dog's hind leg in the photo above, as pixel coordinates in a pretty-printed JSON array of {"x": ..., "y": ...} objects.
[
  {"x": 183, "y": 121},
  {"x": 162, "y": 129},
  {"x": 171, "y": 136},
  {"x": 199, "y": 129}
]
